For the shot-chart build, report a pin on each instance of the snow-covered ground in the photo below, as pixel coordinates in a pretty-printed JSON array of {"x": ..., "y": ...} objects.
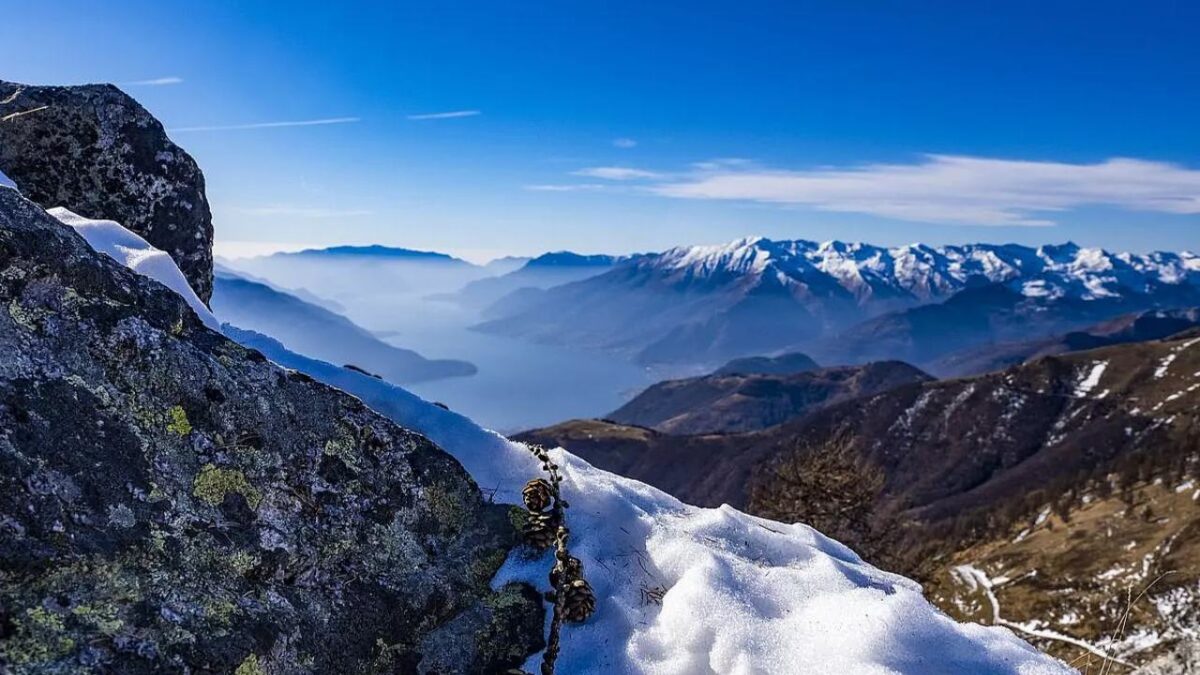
[{"x": 680, "y": 589}]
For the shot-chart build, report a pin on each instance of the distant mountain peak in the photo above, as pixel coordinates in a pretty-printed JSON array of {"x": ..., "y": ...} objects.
[
  {"x": 571, "y": 259},
  {"x": 377, "y": 251}
]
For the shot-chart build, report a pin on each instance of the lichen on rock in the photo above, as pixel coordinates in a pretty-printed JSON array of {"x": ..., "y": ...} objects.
[{"x": 170, "y": 501}]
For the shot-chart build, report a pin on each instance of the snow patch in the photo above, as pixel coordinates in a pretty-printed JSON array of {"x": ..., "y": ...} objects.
[
  {"x": 5, "y": 181},
  {"x": 1092, "y": 379},
  {"x": 1163, "y": 365},
  {"x": 127, "y": 248}
]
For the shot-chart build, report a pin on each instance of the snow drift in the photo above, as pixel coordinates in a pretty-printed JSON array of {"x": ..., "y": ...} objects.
[
  {"x": 680, "y": 589},
  {"x": 127, "y": 248}
]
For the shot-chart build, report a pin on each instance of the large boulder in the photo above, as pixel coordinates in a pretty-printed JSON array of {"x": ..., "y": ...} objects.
[
  {"x": 97, "y": 152},
  {"x": 171, "y": 501}
]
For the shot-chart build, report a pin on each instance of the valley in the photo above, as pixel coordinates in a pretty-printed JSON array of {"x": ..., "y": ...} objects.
[{"x": 1062, "y": 489}]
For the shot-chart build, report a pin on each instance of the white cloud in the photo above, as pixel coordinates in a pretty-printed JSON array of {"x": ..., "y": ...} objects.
[
  {"x": 625, "y": 143},
  {"x": 566, "y": 187},
  {"x": 617, "y": 173},
  {"x": 270, "y": 125},
  {"x": 156, "y": 82},
  {"x": 953, "y": 189},
  {"x": 284, "y": 210},
  {"x": 452, "y": 114}
]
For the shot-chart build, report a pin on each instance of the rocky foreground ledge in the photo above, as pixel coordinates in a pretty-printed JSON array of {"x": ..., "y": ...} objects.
[{"x": 171, "y": 501}]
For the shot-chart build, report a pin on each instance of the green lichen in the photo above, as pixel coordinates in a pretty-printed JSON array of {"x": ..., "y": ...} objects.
[
  {"x": 157, "y": 494},
  {"x": 40, "y": 637},
  {"x": 213, "y": 483},
  {"x": 485, "y": 567},
  {"x": 344, "y": 449},
  {"x": 179, "y": 423},
  {"x": 21, "y": 316},
  {"x": 221, "y": 611},
  {"x": 518, "y": 517},
  {"x": 506, "y": 598},
  {"x": 250, "y": 666},
  {"x": 103, "y": 619},
  {"x": 242, "y": 562},
  {"x": 446, "y": 507}
]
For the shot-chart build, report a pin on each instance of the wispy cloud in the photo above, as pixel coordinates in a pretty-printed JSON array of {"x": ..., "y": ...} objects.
[
  {"x": 156, "y": 82},
  {"x": 617, "y": 173},
  {"x": 270, "y": 125},
  {"x": 289, "y": 211},
  {"x": 625, "y": 143},
  {"x": 953, "y": 189},
  {"x": 448, "y": 115},
  {"x": 566, "y": 187}
]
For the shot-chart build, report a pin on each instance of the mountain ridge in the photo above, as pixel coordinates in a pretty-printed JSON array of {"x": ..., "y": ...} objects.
[{"x": 707, "y": 304}]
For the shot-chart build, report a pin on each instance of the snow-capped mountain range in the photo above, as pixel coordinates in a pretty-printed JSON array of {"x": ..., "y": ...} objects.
[
  {"x": 706, "y": 304},
  {"x": 923, "y": 273}
]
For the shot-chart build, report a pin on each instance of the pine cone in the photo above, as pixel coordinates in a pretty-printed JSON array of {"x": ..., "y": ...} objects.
[
  {"x": 573, "y": 569},
  {"x": 580, "y": 601},
  {"x": 538, "y": 494},
  {"x": 540, "y": 529}
]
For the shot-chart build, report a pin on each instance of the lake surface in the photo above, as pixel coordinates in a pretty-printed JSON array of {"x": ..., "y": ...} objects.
[{"x": 520, "y": 385}]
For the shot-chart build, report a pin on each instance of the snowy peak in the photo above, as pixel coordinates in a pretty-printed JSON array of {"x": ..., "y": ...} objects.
[
  {"x": 918, "y": 272},
  {"x": 750, "y": 255}
]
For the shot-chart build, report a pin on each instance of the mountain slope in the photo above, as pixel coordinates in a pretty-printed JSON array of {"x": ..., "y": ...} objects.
[
  {"x": 1063, "y": 481},
  {"x": 961, "y": 473},
  {"x": 317, "y": 332},
  {"x": 1151, "y": 325},
  {"x": 986, "y": 315},
  {"x": 706, "y": 304},
  {"x": 733, "y": 402}
]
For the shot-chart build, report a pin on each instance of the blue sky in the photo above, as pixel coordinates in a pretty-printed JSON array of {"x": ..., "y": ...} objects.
[{"x": 622, "y": 126}]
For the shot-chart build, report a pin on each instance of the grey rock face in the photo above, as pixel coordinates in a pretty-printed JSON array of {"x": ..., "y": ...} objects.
[
  {"x": 172, "y": 502},
  {"x": 96, "y": 151}
]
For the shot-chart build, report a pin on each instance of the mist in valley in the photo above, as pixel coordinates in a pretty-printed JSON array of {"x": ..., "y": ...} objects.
[{"x": 420, "y": 305}]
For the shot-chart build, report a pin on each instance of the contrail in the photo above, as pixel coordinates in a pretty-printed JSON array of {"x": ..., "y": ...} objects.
[
  {"x": 156, "y": 82},
  {"x": 445, "y": 115},
  {"x": 271, "y": 125}
]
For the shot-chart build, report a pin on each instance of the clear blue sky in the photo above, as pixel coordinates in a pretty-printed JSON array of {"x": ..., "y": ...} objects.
[{"x": 620, "y": 126}]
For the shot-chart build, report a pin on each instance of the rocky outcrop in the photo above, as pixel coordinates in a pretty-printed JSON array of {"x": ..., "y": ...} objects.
[
  {"x": 170, "y": 501},
  {"x": 97, "y": 152}
]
